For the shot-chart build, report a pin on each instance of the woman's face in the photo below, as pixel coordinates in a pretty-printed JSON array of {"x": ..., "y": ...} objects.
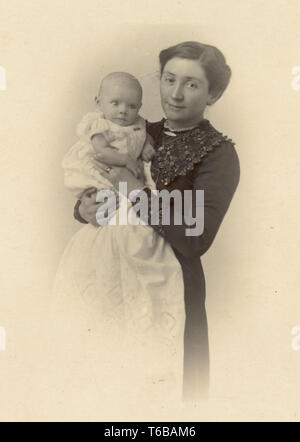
[{"x": 184, "y": 91}]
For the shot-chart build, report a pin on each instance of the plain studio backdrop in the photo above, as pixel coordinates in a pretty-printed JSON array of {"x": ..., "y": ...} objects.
[{"x": 55, "y": 54}]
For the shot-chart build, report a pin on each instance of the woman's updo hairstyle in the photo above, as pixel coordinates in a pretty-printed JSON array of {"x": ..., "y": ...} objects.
[{"x": 212, "y": 60}]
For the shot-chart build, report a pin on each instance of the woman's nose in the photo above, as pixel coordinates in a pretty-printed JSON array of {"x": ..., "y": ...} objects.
[{"x": 177, "y": 92}]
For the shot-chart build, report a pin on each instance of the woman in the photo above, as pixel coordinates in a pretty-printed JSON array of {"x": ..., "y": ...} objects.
[{"x": 190, "y": 154}]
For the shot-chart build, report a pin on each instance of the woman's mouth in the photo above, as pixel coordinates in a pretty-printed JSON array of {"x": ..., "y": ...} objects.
[{"x": 175, "y": 107}]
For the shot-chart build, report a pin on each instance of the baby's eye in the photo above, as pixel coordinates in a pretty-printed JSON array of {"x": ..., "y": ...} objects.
[
  {"x": 115, "y": 102},
  {"x": 169, "y": 79},
  {"x": 132, "y": 106}
]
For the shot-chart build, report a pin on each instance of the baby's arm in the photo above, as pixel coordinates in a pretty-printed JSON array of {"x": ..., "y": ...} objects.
[{"x": 105, "y": 153}]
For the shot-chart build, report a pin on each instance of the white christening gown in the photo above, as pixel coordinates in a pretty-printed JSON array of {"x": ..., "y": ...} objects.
[{"x": 119, "y": 298}]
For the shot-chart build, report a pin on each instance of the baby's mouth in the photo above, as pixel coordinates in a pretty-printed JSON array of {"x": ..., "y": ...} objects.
[{"x": 122, "y": 121}]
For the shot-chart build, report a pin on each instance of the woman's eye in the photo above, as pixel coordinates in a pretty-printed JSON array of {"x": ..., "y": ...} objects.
[
  {"x": 192, "y": 85},
  {"x": 115, "y": 103},
  {"x": 132, "y": 106}
]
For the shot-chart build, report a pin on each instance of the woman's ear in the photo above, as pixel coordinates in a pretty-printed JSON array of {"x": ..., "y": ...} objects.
[{"x": 213, "y": 97}]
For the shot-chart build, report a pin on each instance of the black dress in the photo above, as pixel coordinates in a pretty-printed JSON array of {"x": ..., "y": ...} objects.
[
  {"x": 204, "y": 159},
  {"x": 197, "y": 159}
]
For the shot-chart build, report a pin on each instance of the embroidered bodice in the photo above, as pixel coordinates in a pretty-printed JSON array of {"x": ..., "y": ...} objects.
[{"x": 178, "y": 153}]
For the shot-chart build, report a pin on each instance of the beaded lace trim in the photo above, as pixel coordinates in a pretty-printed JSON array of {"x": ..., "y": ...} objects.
[{"x": 178, "y": 155}]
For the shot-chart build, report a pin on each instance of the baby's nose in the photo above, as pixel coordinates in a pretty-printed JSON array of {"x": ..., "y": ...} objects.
[{"x": 123, "y": 109}]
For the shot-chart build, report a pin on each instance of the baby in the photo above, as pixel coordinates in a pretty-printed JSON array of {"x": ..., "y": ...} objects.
[
  {"x": 128, "y": 274},
  {"x": 114, "y": 134}
]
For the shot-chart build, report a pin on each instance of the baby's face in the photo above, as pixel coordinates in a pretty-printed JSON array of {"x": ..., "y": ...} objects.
[{"x": 120, "y": 102}]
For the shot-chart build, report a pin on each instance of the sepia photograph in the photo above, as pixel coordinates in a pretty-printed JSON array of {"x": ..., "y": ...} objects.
[{"x": 150, "y": 156}]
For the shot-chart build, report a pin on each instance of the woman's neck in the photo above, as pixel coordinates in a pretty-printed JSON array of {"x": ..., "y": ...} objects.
[{"x": 182, "y": 125}]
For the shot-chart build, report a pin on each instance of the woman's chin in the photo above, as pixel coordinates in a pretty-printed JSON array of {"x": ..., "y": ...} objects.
[{"x": 175, "y": 116}]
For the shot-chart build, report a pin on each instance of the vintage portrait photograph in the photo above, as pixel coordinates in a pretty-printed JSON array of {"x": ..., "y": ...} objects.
[{"x": 149, "y": 226}]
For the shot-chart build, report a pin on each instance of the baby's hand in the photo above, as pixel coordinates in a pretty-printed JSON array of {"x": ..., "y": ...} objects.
[
  {"x": 148, "y": 152},
  {"x": 135, "y": 167}
]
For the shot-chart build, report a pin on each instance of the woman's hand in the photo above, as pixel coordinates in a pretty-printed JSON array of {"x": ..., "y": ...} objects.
[
  {"x": 135, "y": 166},
  {"x": 148, "y": 151},
  {"x": 120, "y": 174},
  {"x": 89, "y": 206}
]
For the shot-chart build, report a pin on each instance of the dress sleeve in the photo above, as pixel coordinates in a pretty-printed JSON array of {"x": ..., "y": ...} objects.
[
  {"x": 218, "y": 176},
  {"x": 92, "y": 124},
  {"x": 76, "y": 213}
]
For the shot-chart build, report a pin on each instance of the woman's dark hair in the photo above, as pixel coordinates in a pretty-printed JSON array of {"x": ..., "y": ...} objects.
[{"x": 212, "y": 60}]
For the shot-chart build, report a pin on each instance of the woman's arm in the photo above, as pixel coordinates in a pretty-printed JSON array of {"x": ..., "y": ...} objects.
[
  {"x": 86, "y": 208},
  {"x": 218, "y": 175}
]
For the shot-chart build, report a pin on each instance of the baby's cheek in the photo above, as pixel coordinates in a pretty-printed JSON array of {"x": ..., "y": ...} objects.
[{"x": 134, "y": 116}]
